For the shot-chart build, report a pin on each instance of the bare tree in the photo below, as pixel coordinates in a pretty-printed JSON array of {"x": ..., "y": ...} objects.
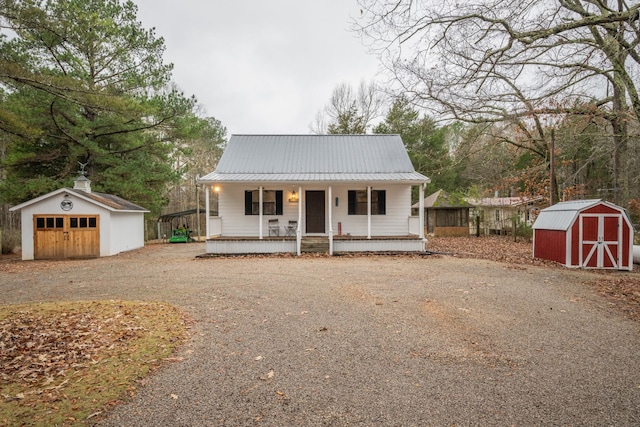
[
  {"x": 349, "y": 111},
  {"x": 522, "y": 61}
]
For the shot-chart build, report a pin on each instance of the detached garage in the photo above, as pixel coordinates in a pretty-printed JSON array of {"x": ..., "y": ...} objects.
[
  {"x": 78, "y": 223},
  {"x": 585, "y": 234}
]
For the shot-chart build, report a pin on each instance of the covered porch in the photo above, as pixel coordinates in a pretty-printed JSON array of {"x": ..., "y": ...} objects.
[
  {"x": 276, "y": 193},
  {"x": 314, "y": 217}
]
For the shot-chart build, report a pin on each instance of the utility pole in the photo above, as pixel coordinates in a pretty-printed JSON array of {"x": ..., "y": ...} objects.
[{"x": 553, "y": 197}]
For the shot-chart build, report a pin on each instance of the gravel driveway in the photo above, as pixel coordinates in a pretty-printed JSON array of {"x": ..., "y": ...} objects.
[{"x": 364, "y": 340}]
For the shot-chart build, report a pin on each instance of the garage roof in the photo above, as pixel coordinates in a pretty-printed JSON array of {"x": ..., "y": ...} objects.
[{"x": 107, "y": 201}]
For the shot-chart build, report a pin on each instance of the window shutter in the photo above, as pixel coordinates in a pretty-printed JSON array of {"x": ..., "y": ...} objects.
[
  {"x": 278, "y": 202},
  {"x": 351, "y": 197},
  {"x": 382, "y": 202},
  {"x": 248, "y": 202}
]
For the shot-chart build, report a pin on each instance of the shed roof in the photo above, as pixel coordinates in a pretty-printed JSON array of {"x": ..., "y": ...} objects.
[
  {"x": 107, "y": 201},
  {"x": 442, "y": 199},
  {"x": 304, "y": 158},
  {"x": 562, "y": 215}
]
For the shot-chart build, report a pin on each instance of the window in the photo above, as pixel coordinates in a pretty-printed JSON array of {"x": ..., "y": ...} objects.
[
  {"x": 50, "y": 222},
  {"x": 497, "y": 215},
  {"x": 271, "y": 202},
  {"x": 358, "y": 202},
  {"x": 452, "y": 218},
  {"x": 73, "y": 222}
]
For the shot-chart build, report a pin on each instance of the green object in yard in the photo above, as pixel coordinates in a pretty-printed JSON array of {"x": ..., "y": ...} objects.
[{"x": 179, "y": 236}]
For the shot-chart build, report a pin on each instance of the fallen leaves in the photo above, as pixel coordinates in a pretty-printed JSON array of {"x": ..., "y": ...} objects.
[
  {"x": 61, "y": 363},
  {"x": 495, "y": 248},
  {"x": 37, "y": 347},
  {"x": 622, "y": 290}
]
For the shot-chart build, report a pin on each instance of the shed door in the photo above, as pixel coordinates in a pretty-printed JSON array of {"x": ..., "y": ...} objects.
[
  {"x": 66, "y": 236},
  {"x": 601, "y": 241}
]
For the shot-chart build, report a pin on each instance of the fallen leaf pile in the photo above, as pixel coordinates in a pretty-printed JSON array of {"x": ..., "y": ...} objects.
[
  {"x": 495, "y": 248},
  {"x": 35, "y": 348},
  {"x": 61, "y": 363}
]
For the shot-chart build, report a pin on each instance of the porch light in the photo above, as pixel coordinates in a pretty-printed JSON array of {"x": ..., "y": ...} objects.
[
  {"x": 216, "y": 189},
  {"x": 294, "y": 197}
]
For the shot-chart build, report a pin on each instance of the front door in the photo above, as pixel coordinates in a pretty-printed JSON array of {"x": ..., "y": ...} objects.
[
  {"x": 314, "y": 207},
  {"x": 600, "y": 241},
  {"x": 66, "y": 236}
]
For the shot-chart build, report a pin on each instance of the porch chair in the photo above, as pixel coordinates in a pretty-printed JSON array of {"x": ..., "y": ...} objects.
[
  {"x": 274, "y": 227},
  {"x": 290, "y": 230}
]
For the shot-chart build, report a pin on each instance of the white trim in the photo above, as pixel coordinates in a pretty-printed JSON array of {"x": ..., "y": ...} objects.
[
  {"x": 421, "y": 210},
  {"x": 368, "y": 212},
  {"x": 330, "y": 213},
  {"x": 600, "y": 247},
  {"x": 77, "y": 193},
  {"x": 260, "y": 211},
  {"x": 568, "y": 247},
  {"x": 207, "y": 189},
  {"x": 299, "y": 229}
]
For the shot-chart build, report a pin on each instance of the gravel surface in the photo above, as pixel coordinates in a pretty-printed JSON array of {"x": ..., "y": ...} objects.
[{"x": 364, "y": 340}]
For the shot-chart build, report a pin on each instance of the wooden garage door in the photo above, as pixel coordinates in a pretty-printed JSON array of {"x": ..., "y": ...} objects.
[{"x": 66, "y": 236}]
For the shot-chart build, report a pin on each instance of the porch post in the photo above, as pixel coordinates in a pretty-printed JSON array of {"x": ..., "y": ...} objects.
[
  {"x": 299, "y": 229},
  {"x": 260, "y": 213},
  {"x": 206, "y": 198},
  {"x": 330, "y": 221},
  {"x": 421, "y": 210},
  {"x": 368, "y": 211}
]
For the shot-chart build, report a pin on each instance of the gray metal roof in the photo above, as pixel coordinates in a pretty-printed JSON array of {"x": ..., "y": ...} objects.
[
  {"x": 304, "y": 158},
  {"x": 562, "y": 215}
]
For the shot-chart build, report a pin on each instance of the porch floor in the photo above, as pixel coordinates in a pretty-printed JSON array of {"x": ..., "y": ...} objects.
[
  {"x": 341, "y": 237},
  {"x": 314, "y": 244}
]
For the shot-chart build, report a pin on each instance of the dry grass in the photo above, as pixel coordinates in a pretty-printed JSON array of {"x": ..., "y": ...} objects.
[{"x": 64, "y": 363}]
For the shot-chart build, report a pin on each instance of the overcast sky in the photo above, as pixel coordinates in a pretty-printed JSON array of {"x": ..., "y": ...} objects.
[{"x": 260, "y": 66}]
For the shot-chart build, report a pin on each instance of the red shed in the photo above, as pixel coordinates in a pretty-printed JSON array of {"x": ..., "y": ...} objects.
[{"x": 586, "y": 234}]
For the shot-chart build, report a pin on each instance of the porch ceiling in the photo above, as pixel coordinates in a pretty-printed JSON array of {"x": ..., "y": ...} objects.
[{"x": 397, "y": 177}]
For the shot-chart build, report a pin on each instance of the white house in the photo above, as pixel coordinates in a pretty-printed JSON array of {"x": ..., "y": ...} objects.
[
  {"x": 78, "y": 223},
  {"x": 279, "y": 193},
  {"x": 497, "y": 215}
]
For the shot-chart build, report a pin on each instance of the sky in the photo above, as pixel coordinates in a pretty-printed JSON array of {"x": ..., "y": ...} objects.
[{"x": 260, "y": 66}]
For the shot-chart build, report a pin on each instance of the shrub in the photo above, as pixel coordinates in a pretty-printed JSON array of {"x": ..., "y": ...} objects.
[{"x": 10, "y": 240}]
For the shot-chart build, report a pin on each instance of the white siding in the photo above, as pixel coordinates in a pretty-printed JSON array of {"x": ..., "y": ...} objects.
[
  {"x": 236, "y": 223},
  {"x": 221, "y": 246},
  {"x": 126, "y": 231},
  {"x": 394, "y": 223},
  {"x": 373, "y": 245},
  {"x": 51, "y": 206},
  {"x": 118, "y": 231}
]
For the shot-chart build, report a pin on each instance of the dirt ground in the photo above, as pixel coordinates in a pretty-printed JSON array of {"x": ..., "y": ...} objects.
[
  {"x": 480, "y": 334},
  {"x": 622, "y": 290}
]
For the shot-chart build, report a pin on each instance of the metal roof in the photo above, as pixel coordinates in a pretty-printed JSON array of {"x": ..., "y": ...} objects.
[
  {"x": 169, "y": 216},
  {"x": 304, "y": 158},
  {"x": 504, "y": 201},
  {"x": 562, "y": 215}
]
